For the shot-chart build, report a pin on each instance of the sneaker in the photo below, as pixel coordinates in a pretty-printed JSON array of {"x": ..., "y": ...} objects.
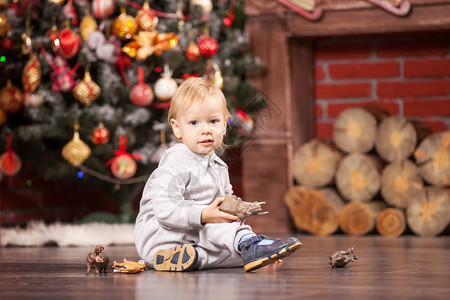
[
  {"x": 180, "y": 258},
  {"x": 256, "y": 256}
]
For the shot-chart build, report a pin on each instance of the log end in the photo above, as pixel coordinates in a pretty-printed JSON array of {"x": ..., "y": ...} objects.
[{"x": 391, "y": 222}]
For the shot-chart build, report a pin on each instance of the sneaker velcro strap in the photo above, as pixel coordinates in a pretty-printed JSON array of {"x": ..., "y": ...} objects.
[{"x": 251, "y": 241}]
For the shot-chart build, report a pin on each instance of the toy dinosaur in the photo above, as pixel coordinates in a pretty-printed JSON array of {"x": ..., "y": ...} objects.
[
  {"x": 129, "y": 266},
  {"x": 341, "y": 258},
  {"x": 97, "y": 260},
  {"x": 242, "y": 209}
]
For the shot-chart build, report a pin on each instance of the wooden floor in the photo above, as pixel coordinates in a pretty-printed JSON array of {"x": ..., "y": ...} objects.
[{"x": 403, "y": 268}]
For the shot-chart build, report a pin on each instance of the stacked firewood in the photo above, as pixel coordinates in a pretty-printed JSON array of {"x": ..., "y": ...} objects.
[{"x": 381, "y": 173}]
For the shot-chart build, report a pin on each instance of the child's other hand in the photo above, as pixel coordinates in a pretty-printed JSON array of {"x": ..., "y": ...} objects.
[{"x": 212, "y": 214}]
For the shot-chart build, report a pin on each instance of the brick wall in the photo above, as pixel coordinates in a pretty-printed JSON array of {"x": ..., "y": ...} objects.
[{"x": 407, "y": 76}]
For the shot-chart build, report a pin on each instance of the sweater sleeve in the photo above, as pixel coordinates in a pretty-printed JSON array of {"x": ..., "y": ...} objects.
[
  {"x": 228, "y": 188},
  {"x": 166, "y": 190}
]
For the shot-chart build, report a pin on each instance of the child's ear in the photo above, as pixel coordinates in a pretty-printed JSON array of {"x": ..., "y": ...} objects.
[{"x": 175, "y": 128}]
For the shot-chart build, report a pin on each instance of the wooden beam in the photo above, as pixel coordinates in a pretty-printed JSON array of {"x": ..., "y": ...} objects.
[
  {"x": 302, "y": 120},
  {"x": 357, "y": 17},
  {"x": 371, "y": 21},
  {"x": 266, "y": 171}
]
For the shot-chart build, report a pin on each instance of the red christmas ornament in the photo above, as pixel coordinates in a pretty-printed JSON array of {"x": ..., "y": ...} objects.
[
  {"x": 62, "y": 76},
  {"x": 52, "y": 34},
  {"x": 10, "y": 163},
  {"x": 103, "y": 8},
  {"x": 7, "y": 43},
  {"x": 70, "y": 12},
  {"x": 141, "y": 94},
  {"x": 228, "y": 21},
  {"x": 123, "y": 165},
  {"x": 208, "y": 47},
  {"x": 192, "y": 52},
  {"x": 69, "y": 43},
  {"x": 100, "y": 135}
]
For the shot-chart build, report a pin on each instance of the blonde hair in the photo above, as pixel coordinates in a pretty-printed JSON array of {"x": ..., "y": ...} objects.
[{"x": 193, "y": 90}]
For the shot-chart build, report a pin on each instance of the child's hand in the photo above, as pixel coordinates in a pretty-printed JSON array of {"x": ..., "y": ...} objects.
[{"x": 212, "y": 214}]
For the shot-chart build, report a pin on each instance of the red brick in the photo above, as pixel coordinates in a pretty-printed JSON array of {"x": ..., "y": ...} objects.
[
  {"x": 324, "y": 130},
  {"x": 319, "y": 73},
  {"x": 334, "y": 109},
  {"x": 412, "y": 88},
  {"x": 422, "y": 48},
  {"x": 15, "y": 200},
  {"x": 424, "y": 68},
  {"x": 421, "y": 108},
  {"x": 364, "y": 70},
  {"x": 343, "y": 91},
  {"x": 436, "y": 125},
  {"x": 343, "y": 51},
  {"x": 319, "y": 110}
]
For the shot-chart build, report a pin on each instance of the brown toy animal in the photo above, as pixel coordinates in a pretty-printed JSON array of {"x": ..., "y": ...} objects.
[
  {"x": 340, "y": 259},
  {"x": 242, "y": 209},
  {"x": 97, "y": 260}
]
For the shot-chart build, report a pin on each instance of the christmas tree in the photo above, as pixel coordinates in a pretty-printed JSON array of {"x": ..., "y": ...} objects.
[{"x": 86, "y": 84}]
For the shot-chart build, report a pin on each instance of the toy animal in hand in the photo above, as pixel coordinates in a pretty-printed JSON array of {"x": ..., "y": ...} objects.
[
  {"x": 242, "y": 209},
  {"x": 341, "y": 258},
  {"x": 129, "y": 266},
  {"x": 97, "y": 260}
]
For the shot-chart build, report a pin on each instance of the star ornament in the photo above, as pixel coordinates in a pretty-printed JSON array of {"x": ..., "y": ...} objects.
[{"x": 147, "y": 43}]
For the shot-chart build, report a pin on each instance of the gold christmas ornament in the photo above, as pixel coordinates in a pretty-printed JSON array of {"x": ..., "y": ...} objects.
[
  {"x": 147, "y": 43},
  {"x": 11, "y": 98},
  {"x": 4, "y": 25},
  {"x": 87, "y": 26},
  {"x": 76, "y": 151},
  {"x": 86, "y": 91},
  {"x": 57, "y": 1},
  {"x": 31, "y": 75},
  {"x": 124, "y": 26},
  {"x": 205, "y": 6},
  {"x": 3, "y": 117},
  {"x": 217, "y": 78},
  {"x": 146, "y": 19}
]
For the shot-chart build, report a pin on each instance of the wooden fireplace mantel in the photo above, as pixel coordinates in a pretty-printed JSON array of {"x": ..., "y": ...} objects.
[
  {"x": 284, "y": 41},
  {"x": 356, "y": 17}
]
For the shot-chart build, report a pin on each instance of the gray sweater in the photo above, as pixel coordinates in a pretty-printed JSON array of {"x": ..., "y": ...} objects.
[{"x": 172, "y": 202}]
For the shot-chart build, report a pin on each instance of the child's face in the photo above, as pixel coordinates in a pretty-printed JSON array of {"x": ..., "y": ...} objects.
[{"x": 201, "y": 127}]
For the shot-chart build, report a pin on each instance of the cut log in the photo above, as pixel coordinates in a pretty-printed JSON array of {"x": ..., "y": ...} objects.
[
  {"x": 315, "y": 163},
  {"x": 333, "y": 197},
  {"x": 391, "y": 222},
  {"x": 400, "y": 180},
  {"x": 397, "y": 138},
  {"x": 428, "y": 213},
  {"x": 358, "y": 177},
  {"x": 311, "y": 211},
  {"x": 433, "y": 159},
  {"x": 355, "y": 129},
  {"x": 359, "y": 218}
]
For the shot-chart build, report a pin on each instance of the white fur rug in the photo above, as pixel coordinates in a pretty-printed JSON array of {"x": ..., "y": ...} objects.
[{"x": 37, "y": 233}]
